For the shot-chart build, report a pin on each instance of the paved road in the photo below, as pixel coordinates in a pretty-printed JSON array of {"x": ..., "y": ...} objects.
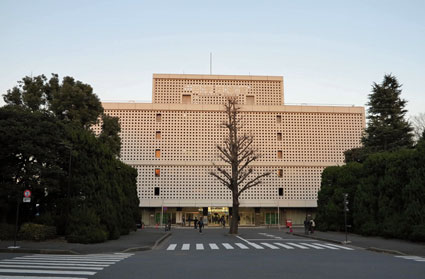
[{"x": 256, "y": 253}]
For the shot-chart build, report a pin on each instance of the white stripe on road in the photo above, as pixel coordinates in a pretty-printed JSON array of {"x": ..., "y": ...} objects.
[
  {"x": 283, "y": 245},
  {"x": 214, "y": 246},
  {"x": 66, "y": 260},
  {"x": 297, "y": 245},
  {"x": 199, "y": 246},
  {"x": 269, "y": 245},
  {"x": 313, "y": 246},
  {"x": 242, "y": 246},
  {"x": 256, "y": 246},
  {"x": 111, "y": 257},
  {"x": 44, "y": 261},
  {"x": 36, "y": 277},
  {"x": 326, "y": 246},
  {"x": 53, "y": 264},
  {"x": 339, "y": 246},
  {"x": 172, "y": 247},
  {"x": 227, "y": 246},
  {"x": 409, "y": 257},
  {"x": 186, "y": 246},
  {"x": 35, "y": 271},
  {"x": 52, "y": 267}
]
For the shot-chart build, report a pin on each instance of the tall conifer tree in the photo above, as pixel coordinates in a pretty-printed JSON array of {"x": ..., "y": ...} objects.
[{"x": 387, "y": 128}]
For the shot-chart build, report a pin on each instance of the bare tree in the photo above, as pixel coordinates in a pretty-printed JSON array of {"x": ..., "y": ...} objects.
[
  {"x": 418, "y": 123},
  {"x": 236, "y": 151}
]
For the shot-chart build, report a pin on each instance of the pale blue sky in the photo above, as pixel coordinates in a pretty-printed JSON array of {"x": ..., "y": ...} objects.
[{"x": 329, "y": 52}]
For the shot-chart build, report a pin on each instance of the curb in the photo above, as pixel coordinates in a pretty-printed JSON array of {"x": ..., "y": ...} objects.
[
  {"x": 380, "y": 250},
  {"x": 39, "y": 251},
  {"x": 146, "y": 248},
  {"x": 318, "y": 238}
]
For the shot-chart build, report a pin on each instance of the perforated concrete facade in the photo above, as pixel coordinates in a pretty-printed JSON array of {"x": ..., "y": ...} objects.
[{"x": 172, "y": 142}]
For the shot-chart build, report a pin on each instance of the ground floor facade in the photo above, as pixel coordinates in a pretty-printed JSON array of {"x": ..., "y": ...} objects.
[{"x": 213, "y": 216}]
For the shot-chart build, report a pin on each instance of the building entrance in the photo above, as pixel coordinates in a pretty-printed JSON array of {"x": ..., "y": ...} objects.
[{"x": 215, "y": 214}]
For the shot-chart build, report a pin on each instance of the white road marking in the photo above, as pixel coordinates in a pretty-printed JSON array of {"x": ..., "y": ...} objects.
[
  {"x": 283, "y": 245},
  {"x": 242, "y": 246},
  {"x": 52, "y": 267},
  {"x": 172, "y": 247},
  {"x": 269, "y": 245},
  {"x": 186, "y": 246},
  {"x": 46, "y": 261},
  {"x": 213, "y": 246},
  {"x": 36, "y": 277},
  {"x": 339, "y": 246},
  {"x": 227, "y": 246},
  {"x": 53, "y": 264},
  {"x": 35, "y": 271},
  {"x": 297, "y": 245},
  {"x": 256, "y": 246},
  {"x": 326, "y": 246},
  {"x": 313, "y": 246},
  {"x": 67, "y": 260},
  {"x": 199, "y": 246}
]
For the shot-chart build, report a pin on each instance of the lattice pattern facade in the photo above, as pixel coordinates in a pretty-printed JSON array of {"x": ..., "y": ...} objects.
[{"x": 172, "y": 142}]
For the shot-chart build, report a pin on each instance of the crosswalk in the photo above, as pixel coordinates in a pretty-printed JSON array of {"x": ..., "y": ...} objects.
[
  {"x": 253, "y": 245},
  {"x": 412, "y": 258},
  {"x": 57, "y": 266}
]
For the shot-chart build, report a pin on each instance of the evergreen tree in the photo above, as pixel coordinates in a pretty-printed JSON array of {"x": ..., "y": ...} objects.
[{"x": 387, "y": 129}]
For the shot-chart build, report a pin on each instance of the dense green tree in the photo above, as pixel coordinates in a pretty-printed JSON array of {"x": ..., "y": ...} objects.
[
  {"x": 45, "y": 133},
  {"x": 110, "y": 133},
  {"x": 387, "y": 129},
  {"x": 30, "y": 155}
]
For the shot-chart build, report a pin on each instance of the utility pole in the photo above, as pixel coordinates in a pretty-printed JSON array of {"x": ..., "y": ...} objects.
[{"x": 345, "y": 215}]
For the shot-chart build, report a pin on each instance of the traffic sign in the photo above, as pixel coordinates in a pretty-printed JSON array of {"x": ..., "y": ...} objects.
[
  {"x": 27, "y": 193},
  {"x": 26, "y": 200}
]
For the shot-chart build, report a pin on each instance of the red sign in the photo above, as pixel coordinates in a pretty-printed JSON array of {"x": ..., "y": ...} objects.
[{"x": 27, "y": 193}]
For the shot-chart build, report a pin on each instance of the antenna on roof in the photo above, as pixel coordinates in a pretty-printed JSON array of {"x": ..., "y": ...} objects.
[{"x": 210, "y": 63}]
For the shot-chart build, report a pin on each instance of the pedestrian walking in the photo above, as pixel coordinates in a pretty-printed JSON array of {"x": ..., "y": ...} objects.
[
  {"x": 200, "y": 224},
  {"x": 223, "y": 221},
  {"x": 312, "y": 225},
  {"x": 196, "y": 222},
  {"x": 306, "y": 226},
  {"x": 183, "y": 222}
]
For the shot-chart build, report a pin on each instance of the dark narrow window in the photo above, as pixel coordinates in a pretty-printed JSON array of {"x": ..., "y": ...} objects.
[
  {"x": 278, "y": 119},
  {"x": 158, "y": 117},
  {"x": 279, "y": 136},
  {"x": 156, "y": 191},
  {"x": 158, "y": 135},
  {"x": 157, "y": 153},
  {"x": 157, "y": 172},
  {"x": 280, "y": 191}
]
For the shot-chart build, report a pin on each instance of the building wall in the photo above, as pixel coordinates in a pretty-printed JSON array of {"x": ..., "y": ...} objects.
[{"x": 172, "y": 144}]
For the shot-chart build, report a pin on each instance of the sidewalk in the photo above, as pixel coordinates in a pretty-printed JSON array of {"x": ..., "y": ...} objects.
[
  {"x": 139, "y": 240},
  {"x": 378, "y": 244}
]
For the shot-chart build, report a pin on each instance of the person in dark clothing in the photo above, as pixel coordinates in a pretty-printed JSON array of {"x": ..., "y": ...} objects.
[
  {"x": 196, "y": 222},
  {"x": 306, "y": 226},
  {"x": 201, "y": 224}
]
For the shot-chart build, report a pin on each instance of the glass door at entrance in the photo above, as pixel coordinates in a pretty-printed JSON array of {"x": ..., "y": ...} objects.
[{"x": 216, "y": 214}]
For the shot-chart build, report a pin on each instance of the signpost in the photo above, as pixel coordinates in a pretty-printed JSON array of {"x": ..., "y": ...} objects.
[{"x": 26, "y": 199}]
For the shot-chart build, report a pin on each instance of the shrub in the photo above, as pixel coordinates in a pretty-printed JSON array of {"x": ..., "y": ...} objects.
[
  {"x": 37, "y": 232},
  {"x": 7, "y": 231},
  {"x": 418, "y": 233},
  {"x": 84, "y": 227}
]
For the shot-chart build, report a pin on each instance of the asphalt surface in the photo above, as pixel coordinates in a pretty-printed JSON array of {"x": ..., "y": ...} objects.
[{"x": 215, "y": 254}]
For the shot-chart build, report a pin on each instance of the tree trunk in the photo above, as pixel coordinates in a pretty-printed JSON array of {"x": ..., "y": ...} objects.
[{"x": 234, "y": 223}]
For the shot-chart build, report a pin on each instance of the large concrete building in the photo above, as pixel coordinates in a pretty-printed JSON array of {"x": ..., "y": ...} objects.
[{"x": 172, "y": 144}]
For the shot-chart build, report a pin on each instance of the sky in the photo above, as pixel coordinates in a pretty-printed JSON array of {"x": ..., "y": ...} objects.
[{"x": 329, "y": 52}]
